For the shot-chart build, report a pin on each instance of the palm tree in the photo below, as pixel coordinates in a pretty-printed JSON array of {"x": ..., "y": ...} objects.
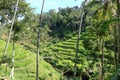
[
  {"x": 118, "y": 15},
  {"x": 9, "y": 35},
  {"x": 77, "y": 44},
  {"x": 38, "y": 44},
  {"x": 13, "y": 20}
]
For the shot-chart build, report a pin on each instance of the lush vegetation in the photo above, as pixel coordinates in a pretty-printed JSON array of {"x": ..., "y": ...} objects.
[
  {"x": 77, "y": 43},
  {"x": 89, "y": 62},
  {"x": 25, "y": 65}
]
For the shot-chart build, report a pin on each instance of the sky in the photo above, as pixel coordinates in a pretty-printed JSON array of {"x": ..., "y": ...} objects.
[{"x": 53, "y": 4}]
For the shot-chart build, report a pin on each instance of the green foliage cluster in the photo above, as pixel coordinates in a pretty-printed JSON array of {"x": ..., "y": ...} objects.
[{"x": 63, "y": 24}]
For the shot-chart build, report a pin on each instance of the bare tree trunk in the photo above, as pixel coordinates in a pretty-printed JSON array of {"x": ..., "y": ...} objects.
[
  {"x": 38, "y": 44},
  {"x": 9, "y": 35},
  {"x": 102, "y": 61},
  {"x": 13, "y": 54},
  {"x": 115, "y": 46},
  {"x": 118, "y": 15},
  {"x": 77, "y": 45},
  {"x": 37, "y": 58},
  {"x": 1, "y": 29}
]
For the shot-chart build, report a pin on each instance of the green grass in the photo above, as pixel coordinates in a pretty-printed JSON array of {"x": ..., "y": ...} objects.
[
  {"x": 63, "y": 54},
  {"x": 25, "y": 68}
]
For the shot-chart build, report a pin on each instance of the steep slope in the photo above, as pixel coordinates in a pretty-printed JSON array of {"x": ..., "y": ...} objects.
[
  {"x": 25, "y": 65},
  {"x": 63, "y": 54}
]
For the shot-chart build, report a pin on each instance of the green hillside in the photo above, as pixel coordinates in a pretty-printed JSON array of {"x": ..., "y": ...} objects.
[
  {"x": 52, "y": 33},
  {"x": 63, "y": 56},
  {"x": 25, "y": 65}
]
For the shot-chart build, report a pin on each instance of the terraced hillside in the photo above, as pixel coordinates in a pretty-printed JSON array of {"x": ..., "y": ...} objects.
[
  {"x": 63, "y": 55},
  {"x": 25, "y": 65}
]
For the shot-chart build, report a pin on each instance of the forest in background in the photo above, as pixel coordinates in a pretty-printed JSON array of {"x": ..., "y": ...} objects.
[{"x": 74, "y": 43}]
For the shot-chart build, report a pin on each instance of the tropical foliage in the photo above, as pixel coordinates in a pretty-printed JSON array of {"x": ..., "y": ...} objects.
[{"x": 98, "y": 42}]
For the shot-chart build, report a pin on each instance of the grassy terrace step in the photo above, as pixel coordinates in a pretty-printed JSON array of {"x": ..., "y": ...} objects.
[
  {"x": 20, "y": 57},
  {"x": 57, "y": 49},
  {"x": 65, "y": 57},
  {"x": 66, "y": 53},
  {"x": 68, "y": 43},
  {"x": 71, "y": 46},
  {"x": 25, "y": 68},
  {"x": 24, "y": 63},
  {"x": 73, "y": 41},
  {"x": 29, "y": 68}
]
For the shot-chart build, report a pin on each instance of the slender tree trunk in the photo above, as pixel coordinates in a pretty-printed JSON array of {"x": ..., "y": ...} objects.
[
  {"x": 115, "y": 46},
  {"x": 37, "y": 58},
  {"x": 9, "y": 35},
  {"x": 1, "y": 29},
  {"x": 102, "y": 61},
  {"x": 13, "y": 54},
  {"x": 38, "y": 44},
  {"x": 118, "y": 15},
  {"x": 77, "y": 45}
]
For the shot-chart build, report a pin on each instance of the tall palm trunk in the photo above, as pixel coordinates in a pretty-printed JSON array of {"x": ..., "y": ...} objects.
[
  {"x": 77, "y": 45},
  {"x": 38, "y": 44},
  {"x": 13, "y": 54},
  {"x": 102, "y": 59},
  {"x": 1, "y": 29},
  {"x": 9, "y": 35},
  {"x": 115, "y": 46},
  {"x": 118, "y": 15},
  {"x": 106, "y": 5}
]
